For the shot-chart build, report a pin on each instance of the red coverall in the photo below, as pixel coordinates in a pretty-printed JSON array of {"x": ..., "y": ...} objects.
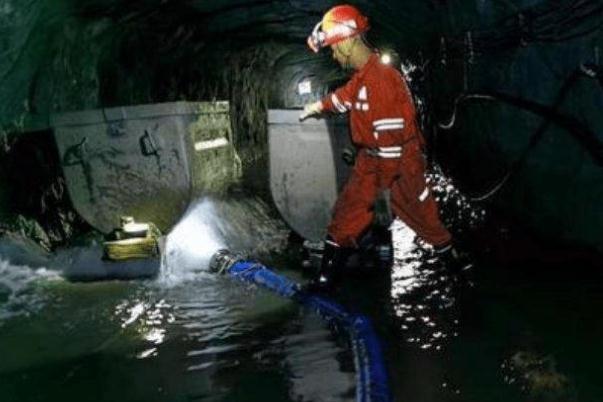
[{"x": 383, "y": 127}]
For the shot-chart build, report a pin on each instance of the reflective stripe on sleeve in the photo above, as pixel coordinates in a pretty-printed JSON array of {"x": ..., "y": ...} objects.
[
  {"x": 381, "y": 122},
  {"x": 424, "y": 194},
  {"x": 385, "y": 127},
  {"x": 338, "y": 105}
]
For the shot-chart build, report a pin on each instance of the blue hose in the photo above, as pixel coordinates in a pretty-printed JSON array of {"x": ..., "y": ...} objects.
[{"x": 371, "y": 375}]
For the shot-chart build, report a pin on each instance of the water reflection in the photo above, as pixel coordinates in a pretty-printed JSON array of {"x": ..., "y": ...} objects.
[
  {"x": 150, "y": 320},
  {"x": 458, "y": 210},
  {"x": 21, "y": 289},
  {"x": 423, "y": 296}
]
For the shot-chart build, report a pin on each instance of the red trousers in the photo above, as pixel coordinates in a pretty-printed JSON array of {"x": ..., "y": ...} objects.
[{"x": 411, "y": 198}]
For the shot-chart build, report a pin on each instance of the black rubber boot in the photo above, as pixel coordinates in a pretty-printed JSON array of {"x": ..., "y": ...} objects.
[{"x": 329, "y": 274}]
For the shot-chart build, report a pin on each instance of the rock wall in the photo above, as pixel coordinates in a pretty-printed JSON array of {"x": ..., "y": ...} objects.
[{"x": 524, "y": 86}]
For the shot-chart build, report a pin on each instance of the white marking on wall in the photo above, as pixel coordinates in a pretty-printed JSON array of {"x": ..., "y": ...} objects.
[
  {"x": 304, "y": 87},
  {"x": 211, "y": 144}
]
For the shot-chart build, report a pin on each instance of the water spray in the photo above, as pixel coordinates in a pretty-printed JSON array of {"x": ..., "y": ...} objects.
[{"x": 371, "y": 375}]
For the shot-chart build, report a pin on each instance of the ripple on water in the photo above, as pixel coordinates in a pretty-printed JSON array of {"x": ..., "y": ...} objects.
[
  {"x": 20, "y": 293},
  {"x": 423, "y": 298}
]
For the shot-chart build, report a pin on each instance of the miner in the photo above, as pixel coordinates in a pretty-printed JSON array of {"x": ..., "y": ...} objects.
[{"x": 391, "y": 148}]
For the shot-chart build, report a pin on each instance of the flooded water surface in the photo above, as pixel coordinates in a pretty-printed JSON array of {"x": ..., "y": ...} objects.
[{"x": 509, "y": 330}]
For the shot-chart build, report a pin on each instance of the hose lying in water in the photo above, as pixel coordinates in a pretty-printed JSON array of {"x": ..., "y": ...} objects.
[{"x": 371, "y": 375}]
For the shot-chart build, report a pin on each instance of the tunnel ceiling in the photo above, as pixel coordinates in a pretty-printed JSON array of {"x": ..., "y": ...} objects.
[{"x": 75, "y": 54}]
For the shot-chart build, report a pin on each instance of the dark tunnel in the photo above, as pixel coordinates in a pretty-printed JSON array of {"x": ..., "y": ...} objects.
[{"x": 179, "y": 118}]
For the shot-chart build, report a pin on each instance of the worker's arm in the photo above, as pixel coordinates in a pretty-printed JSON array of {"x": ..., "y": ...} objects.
[
  {"x": 338, "y": 101},
  {"x": 311, "y": 109}
]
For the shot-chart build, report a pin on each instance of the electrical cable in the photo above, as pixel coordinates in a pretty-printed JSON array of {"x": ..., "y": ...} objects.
[
  {"x": 569, "y": 123},
  {"x": 541, "y": 23}
]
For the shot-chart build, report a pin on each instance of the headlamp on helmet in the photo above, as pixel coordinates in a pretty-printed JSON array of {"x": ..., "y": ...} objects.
[{"x": 338, "y": 24}]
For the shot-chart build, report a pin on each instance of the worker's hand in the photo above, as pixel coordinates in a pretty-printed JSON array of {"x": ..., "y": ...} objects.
[{"x": 311, "y": 109}]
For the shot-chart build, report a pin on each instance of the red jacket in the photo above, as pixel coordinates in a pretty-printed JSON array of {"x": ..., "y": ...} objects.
[{"x": 382, "y": 113}]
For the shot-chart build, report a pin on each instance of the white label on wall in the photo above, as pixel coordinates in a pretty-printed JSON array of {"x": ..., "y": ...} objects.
[
  {"x": 211, "y": 144},
  {"x": 304, "y": 87}
]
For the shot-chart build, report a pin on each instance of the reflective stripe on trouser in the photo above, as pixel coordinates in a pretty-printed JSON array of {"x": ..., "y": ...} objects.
[
  {"x": 413, "y": 202},
  {"x": 353, "y": 212}
]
